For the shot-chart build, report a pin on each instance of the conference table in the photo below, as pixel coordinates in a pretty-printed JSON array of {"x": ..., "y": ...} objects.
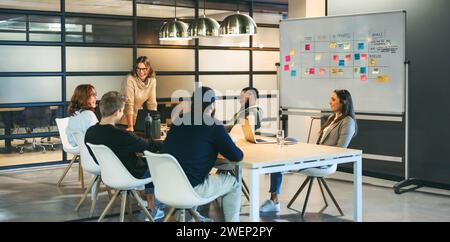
[{"x": 269, "y": 158}]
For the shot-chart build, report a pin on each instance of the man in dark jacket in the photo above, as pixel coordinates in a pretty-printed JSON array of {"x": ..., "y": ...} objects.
[
  {"x": 195, "y": 140},
  {"x": 124, "y": 144}
]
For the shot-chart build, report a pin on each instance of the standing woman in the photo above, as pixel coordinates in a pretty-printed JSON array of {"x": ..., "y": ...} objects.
[
  {"x": 139, "y": 87},
  {"x": 82, "y": 111},
  {"x": 338, "y": 130}
]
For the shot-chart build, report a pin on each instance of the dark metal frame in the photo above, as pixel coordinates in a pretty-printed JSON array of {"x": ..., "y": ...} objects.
[{"x": 63, "y": 73}]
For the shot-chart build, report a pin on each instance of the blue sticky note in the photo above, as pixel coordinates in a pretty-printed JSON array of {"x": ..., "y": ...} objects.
[
  {"x": 341, "y": 62},
  {"x": 360, "y": 46},
  {"x": 357, "y": 56},
  {"x": 340, "y": 46},
  {"x": 362, "y": 70},
  {"x": 293, "y": 73}
]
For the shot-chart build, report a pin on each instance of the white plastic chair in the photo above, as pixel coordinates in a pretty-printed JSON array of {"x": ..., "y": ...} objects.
[
  {"x": 319, "y": 174},
  {"x": 116, "y": 176},
  {"x": 89, "y": 166},
  {"x": 172, "y": 187},
  {"x": 62, "y": 124}
]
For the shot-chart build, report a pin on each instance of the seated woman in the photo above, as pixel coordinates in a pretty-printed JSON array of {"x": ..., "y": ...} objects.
[
  {"x": 249, "y": 109},
  {"x": 81, "y": 110},
  {"x": 338, "y": 130}
]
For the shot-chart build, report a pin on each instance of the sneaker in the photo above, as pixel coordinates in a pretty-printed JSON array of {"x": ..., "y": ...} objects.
[
  {"x": 156, "y": 214},
  {"x": 270, "y": 206},
  {"x": 201, "y": 217}
]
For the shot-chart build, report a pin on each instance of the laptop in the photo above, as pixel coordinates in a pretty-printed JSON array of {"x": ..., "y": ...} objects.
[{"x": 249, "y": 135}]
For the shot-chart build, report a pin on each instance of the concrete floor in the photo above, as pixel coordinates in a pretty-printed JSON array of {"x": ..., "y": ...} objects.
[{"x": 31, "y": 195}]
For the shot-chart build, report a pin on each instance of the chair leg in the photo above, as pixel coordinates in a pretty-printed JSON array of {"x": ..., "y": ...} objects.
[
  {"x": 323, "y": 194},
  {"x": 331, "y": 195},
  {"x": 169, "y": 215},
  {"x": 307, "y": 196},
  {"x": 109, "y": 205},
  {"x": 298, "y": 191},
  {"x": 123, "y": 205},
  {"x": 85, "y": 193},
  {"x": 194, "y": 215},
  {"x": 141, "y": 205},
  {"x": 80, "y": 173},
  {"x": 66, "y": 170},
  {"x": 129, "y": 208},
  {"x": 94, "y": 198}
]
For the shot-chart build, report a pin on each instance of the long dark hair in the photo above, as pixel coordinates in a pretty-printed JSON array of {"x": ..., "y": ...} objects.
[
  {"x": 79, "y": 99},
  {"x": 345, "y": 98},
  {"x": 146, "y": 61}
]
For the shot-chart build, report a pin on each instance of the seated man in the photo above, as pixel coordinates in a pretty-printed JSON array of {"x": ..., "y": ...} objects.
[
  {"x": 124, "y": 144},
  {"x": 195, "y": 139},
  {"x": 249, "y": 109}
]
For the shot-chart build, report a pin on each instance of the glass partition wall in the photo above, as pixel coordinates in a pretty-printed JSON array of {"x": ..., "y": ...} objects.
[{"x": 48, "y": 47}]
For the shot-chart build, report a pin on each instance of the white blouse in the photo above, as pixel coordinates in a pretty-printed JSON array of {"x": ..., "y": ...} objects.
[
  {"x": 80, "y": 122},
  {"x": 327, "y": 128}
]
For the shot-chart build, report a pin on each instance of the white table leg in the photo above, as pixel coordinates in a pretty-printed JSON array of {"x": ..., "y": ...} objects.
[
  {"x": 254, "y": 195},
  {"x": 357, "y": 190}
]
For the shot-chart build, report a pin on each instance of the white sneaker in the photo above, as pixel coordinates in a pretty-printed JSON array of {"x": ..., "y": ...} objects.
[
  {"x": 270, "y": 206},
  {"x": 156, "y": 214},
  {"x": 201, "y": 217}
]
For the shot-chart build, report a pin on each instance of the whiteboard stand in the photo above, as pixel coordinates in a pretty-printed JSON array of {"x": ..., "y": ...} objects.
[{"x": 399, "y": 187}]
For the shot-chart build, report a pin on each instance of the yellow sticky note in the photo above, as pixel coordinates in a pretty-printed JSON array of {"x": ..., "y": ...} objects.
[
  {"x": 346, "y": 46},
  {"x": 383, "y": 78},
  {"x": 333, "y": 45},
  {"x": 356, "y": 70},
  {"x": 340, "y": 71},
  {"x": 376, "y": 71},
  {"x": 292, "y": 64},
  {"x": 334, "y": 71},
  {"x": 318, "y": 57},
  {"x": 306, "y": 71},
  {"x": 292, "y": 52},
  {"x": 372, "y": 62}
]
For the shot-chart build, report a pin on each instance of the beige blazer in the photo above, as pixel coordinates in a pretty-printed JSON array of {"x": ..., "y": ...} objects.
[{"x": 340, "y": 133}]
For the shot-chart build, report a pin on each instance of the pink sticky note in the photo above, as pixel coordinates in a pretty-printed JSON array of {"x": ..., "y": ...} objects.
[
  {"x": 348, "y": 57},
  {"x": 307, "y": 47},
  {"x": 335, "y": 57},
  {"x": 287, "y": 58},
  {"x": 322, "y": 71},
  {"x": 286, "y": 67},
  {"x": 312, "y": 71},
  {"x": 363, "y": 78},
  {"x": 363, "y": 56}
]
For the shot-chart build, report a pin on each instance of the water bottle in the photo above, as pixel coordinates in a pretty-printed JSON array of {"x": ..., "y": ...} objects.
[
  {"x": 156, "y": 126},
  {"x": 148, "y": 126}
]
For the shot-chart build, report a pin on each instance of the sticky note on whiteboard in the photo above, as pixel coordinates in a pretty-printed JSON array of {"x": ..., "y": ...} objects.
[
  {"x": 348, "y": 58},
  {"x": 287, "y": 58},
  {"x": 334, "y": 71},
  {"x": 362, "y": 70},
  {"x": 363, "y": 78},
  {"x": 360, "y": 46},
  {"x": 293, "y": 73},
  {"x": 346, "y": 46},
  {"x": 307, "y": 46},
  {"x": 286, "y": 67},
  {"x": 363, "y": 56},
  {"x": 335, "y": 57},
  {"x": 322, "y": 71},
  {"x": 333, "y": 45},
  {"x": 357, "y": 56},
  {"x": 372, "y": 62},
  {"x": 341, "y": 62},
  {"x": 312, "y": 71},
  {"x": 292, "y": 52}
]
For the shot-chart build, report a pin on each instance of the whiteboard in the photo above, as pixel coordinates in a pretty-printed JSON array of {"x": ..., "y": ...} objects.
[{"x": 363, "y": 53}]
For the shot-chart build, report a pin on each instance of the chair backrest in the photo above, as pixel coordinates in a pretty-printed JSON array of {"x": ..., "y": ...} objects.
[
  {"x": 62, "y": 124},
  {"x": 87, "y": 161},
  {"x": 172, "y": 187},
  {"x": 114, "y": 173}
]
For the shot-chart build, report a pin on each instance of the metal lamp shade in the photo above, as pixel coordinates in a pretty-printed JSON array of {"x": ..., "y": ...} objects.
[
  {"x": 174, "y": 30},
  {"x": 237, "y": 24},
  {"x": 204, "y": 27}
]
